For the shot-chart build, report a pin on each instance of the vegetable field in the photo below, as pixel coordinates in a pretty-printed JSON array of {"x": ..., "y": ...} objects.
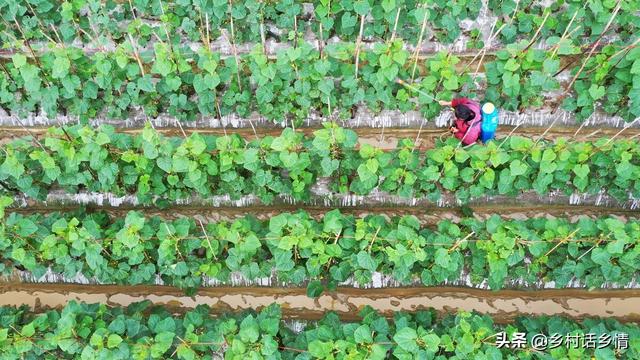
[{"x": 244, "y": 179}]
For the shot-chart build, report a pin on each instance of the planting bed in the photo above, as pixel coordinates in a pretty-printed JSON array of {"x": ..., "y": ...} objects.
[{"x": 255, "y": 179}]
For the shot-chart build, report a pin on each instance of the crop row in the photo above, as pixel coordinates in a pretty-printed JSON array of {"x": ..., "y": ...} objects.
[
  {"x": 161, "y": 169},
  {"x": 252, "y": 21},
  {"x": 296, "y": 248},
  {"x": 302, "y": 80},
  {"x": 140, "y": 331}
]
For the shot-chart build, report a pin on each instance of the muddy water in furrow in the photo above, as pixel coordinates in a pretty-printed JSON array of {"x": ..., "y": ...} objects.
[{"x": 502, "y": 305}]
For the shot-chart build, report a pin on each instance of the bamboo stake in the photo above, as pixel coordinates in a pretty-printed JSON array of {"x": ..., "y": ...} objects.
[
  {"x": 588, "y": 251},
  {"x": 508, "y": 136},
  {"x": 233, "y": 47},
  {"x": 295, "y": 30},
  {"x": 561, "y": 242},
  {"x": 204, "y": 231},
  {"x": 564, "y": 34},
  {"x": 5, "y": 71},
  {"x": 136, "y": 54},
  {"x": 535, "y": 36},
  {"x": 459, "y": 242},
  {"x": 582, "y": 125},
  {"x": 419, "y": 45},
  {"x": 358, "y": 42},
  {"x": 31, "y": 134},
  {"x": 395, "y": 25},
  {"x": 33, "y": 53},
  {"x": 184, "y": 134},
  {"x": 584, "y": 63},
  {"x": 61, "y": 43},
  {"x": 320, "y": 41},
  {"x": 42, "y": 26},
  {"x": 484, "y": 49},
  {"x": 373, "y": 239},
  {"x": 203, "y": 36},
  {"x": 132, "y": 11},
  {"x": 263, "y": 38},
  {"x": 207, "y": 28},
  {"x": 628, "y": 125}
]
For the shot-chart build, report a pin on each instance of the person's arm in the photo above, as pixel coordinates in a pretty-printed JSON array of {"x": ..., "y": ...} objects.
[
  {"x": 473, "y": 134},
  {"x": 453, "y": 103},
  {"x": 461, "y": 127}
]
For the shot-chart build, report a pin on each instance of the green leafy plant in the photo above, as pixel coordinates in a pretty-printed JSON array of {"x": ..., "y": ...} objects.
[
  {"x": 142, "y": 331},
  {"x": 521, "y": 76},
  {"x": 610, "y": 80},
  {"x": 324, "y": 253},
  {"x": 160, "y": 170}
]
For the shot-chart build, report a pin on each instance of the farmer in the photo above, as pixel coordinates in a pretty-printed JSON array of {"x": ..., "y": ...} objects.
[{"x": 468, "y": 123}]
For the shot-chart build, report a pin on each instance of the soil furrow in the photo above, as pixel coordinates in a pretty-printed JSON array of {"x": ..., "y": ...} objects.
[
  {"x": 384, "y": 138},
  {"x": 321, "y": 197},
  {"x": 504, "y": 305},
  {"x": 426, "y": 215}
]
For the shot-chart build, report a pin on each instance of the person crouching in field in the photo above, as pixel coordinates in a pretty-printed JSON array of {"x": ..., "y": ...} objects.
[{"x": 468, "y": 123}]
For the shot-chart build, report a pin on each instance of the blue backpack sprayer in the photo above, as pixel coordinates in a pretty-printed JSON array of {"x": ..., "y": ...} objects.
[
  {"x": 489, "y": 115},
  {"x": 489, "y": 122}
]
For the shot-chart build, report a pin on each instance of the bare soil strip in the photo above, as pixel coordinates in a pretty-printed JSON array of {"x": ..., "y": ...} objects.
[
  {"x": 361, "y": 118},
  {"x": 427, "y": 216},
  {"x": 322, "y": 197},
  {"x": 503, "y": 305},
  {"x": 386, "y": 139}
]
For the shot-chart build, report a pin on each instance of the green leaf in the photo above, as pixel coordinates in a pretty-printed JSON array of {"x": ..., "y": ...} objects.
[
  {"x": 442, "y": 258},
  {"x": 581, "y": 170},
  {"x": 365, "y": 261},
  {"x": 596, "y": 91},
  {"x": 113, "y": 341},
  {"x": 61, "y": 67},
  {"x": 362, "y": 335},
  {"x": 406, "y": 339},
  {"x": 249, "y": 330},
  {"x": 26, "y": 227},
  {"x": 19, "y": 60},
  {"x": 517, "y": 167},
  {"x": 361, "y": 7},
  {"x": 388, "y": 5},
  {"x": 431, "y": 342},
  {"x": 635, "y": 67},
  {"x": 162, "y": 343},
  {"x": 320, "y": 349},
  {"x": 333, "y": 222},
  {"x": 315, "y": 289}
]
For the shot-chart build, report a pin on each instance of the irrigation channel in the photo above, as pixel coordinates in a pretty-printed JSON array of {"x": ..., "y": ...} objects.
[
  {"x": 502, "y": 305},
  {"x": 383, "y": 129}
]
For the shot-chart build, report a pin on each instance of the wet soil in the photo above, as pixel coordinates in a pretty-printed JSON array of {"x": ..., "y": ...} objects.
[{"x": 504, "y": 306}]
